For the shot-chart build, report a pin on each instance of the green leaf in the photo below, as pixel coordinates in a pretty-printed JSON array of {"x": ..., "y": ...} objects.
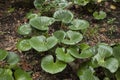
[
  {"x": 81, "y": 2},
  {"x": 84, "y": 46},
  {"x": 12, "y": 59},
  {"x": 104, "y": 51},
  {"x": 22, "y": 75},
  {"x": 93, "y": 63},
  {"x": 60, "y": 35},
  {"x": 116, "y": 53},
  {"x": 63, "y": 15},
  {"x": 117, "y": 75},
  {"x": 32, "y": 15},
  {"x": 61, "y": 3},
  {"x": 74, "y": 51},
  {"x": 78, "y": 24},
  {"x": 41, "y": 43},
  {"x": 38, "y": 3},
  {"x": 72, "y": 38},
  {"x": 24, "y": 45},
  {"x": 25, "y": 29},
  {"x": 52, "y": 67},
  {"x": 41, "y": 23},
  {"x": 3, "y": 54},
  {"x": 86, "y": 74},
  {"x": 6, "y": 74},
  {"x": 63, "y": 56},
  {"x": 84, "y": 53},
  {"x": 99, "y": 15},
  {"x": 51, "y": 42},
  {"x": 111, "y": 64},
  {"x": 69, "y": 38}
]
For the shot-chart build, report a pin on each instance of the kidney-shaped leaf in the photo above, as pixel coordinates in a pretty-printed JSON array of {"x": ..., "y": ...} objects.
[
  {"x": 3, "y": 54},
  {"x": 104, "y": 51},
  {"x": 63, "y": 15},
  {"x": 24, "y": 45},
  {"x": 60, "y": 35},
  {"x": 78, "y": 24},
  {"x": 50, "y": 66},
  {"x": 22, "y": 75},
  {"x": 87, "y": 53},
  {"x": 12, "y": 58},
  {"x": 72, "y": 38},
  {"x": 99, "y": 15},
  {"x": 24, "y": 29},
  {"x": 64, "y": 56},
  {"x": 41, "y": 43},
  {"x": 111, "y": 64},
  {"x": 41, "y": 23}
]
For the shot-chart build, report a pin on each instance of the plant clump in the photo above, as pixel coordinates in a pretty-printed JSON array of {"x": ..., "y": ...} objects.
[
  {"x": 65, "y": 43},
  {"x": 11, "y": 70}
]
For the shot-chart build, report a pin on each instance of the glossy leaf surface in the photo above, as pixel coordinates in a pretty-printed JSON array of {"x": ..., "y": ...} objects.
[
  {"x": 63, "y": 15},
  {"x": 25, "y": 29},
  {"x": 41, "y": 23},
  {"x": 72, "y": 38},
  {"x": 41, "y": 43},
  {"x": 60, "y": 35},
  {"x": 87, "y": 53},
  {"x": 79, "y": 24},
  {"x": 52, "y": 67},
  {"x": 111, "y": 64},
  {"x": 24, "y": 45},
  {"x": 64, "y": 56}
]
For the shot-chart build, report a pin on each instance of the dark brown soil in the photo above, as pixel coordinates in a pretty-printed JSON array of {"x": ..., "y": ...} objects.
[{"x": 99, "y": 31}]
